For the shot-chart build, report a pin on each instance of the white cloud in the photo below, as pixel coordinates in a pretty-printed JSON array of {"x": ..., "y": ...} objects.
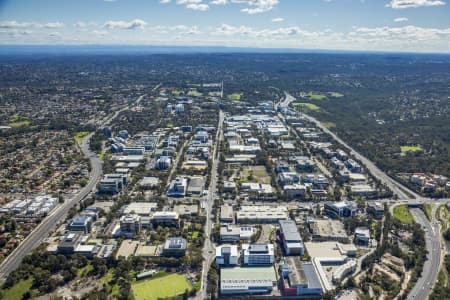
[
  {"x": 200, "y": 6},
  {"x": 257, "y": 6},
  {"x": 15, "y": 24},
  {"x": 277, "y": 20},
  {"x": 82, "y": 24},
  {"x": 219, "y": 2},
  {"x": 55, "y": 35},
  {"x": 409, "y": 33},
  {"x": 165, "y": 1},
  {"x": 133, "y": 24},
  {"x": 398, "y": 4},
  {"x": 400, "y": 19},
  {"x": 194, "y": 4}
]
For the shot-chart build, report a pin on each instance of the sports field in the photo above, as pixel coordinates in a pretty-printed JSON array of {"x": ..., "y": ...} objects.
[{"x": 162, "y": 287}]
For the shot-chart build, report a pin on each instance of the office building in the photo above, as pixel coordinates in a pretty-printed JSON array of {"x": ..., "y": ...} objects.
[
  {"x": 258, "y": 254},
  {"x": 290, "y": 238},
  {"x": 174, "y": 247},
  {"x": 227, "y": 255}
]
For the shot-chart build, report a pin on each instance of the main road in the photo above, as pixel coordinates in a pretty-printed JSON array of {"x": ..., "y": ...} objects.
[
  {"x": 208, "y": 247},
  {"x": 432, "y": 229},
  {"x": 42, "y": 230}
]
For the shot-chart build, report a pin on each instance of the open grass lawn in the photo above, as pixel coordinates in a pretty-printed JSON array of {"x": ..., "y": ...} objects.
[
  {"x": 79, "y": 136},
  {"x": 329, "y": 124},
  {"x": 19, "y": 124},
  {"x": 336, "y": 95},
  {"x": 316, "y": 96},
  {"x": 17, "y": 291},
  {"x": 84, "y": 271},
  {"x": 405, "y": 149},
  {"x": 427, "y": 209},
  {"x": 194, "y": 93},
  {"x": 166, "y": 286},
  {"x": 403, "y": 214},
  {"x": 307, "y": 106},
  {"x": 235, "y": 96}
]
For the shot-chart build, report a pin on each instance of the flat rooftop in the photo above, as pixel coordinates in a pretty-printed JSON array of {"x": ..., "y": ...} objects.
[{"x": 324, "y": 250}]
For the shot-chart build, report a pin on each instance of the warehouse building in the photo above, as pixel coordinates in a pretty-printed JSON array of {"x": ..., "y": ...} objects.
[{"x": 257, "y": 280}]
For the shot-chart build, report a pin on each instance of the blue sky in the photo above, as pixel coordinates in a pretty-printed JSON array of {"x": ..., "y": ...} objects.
[{"x": 383, "y": 25}]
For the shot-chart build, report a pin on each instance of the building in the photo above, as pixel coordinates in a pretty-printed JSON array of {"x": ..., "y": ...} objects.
[
  {"x": 300, "y": 279},
  {"x": 328, "y": 230},
  {"x": 139, "y": 208},
  {"x": 341, "y": 209},
  {"x": 163, "y": 163},
  {"x": 261, "y": 214},
  {"x": 362, "y": 235},
  {"x": 149, "y": 182},
  {"x": 196, "y": 185},
  {"x": 227, "y": 255},
  {"x": 258, "y": 254},
  {"x": 344, "y": 270},
  {"x": 130, "y": 225},
  {"x": 69, "y": 243},
  {"x": 81, "y": 223},
  {"x": 177, "y": 187},
  {"x": 376, "y": 209},
  {"x": 232, "y": 233},
  {"x": 134, "y": 150},
  {"x": 226, "y": 214},
  {"x": 294, "y": 190},
  {"x": 290, "y": 238},
  {"x": 109, "y": 186},
  {"x": 174, "y": 247},
  {"x": 256, "y": 280},
  {"x": 166, "y": 218},
  {"x": 87, "y": 250}
]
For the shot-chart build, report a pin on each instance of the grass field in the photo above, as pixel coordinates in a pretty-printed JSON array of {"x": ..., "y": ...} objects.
[
  {"x": 19, "y": 124},
  {"x": 316, "y": 96},
  {"x": 329, "y": 124},
  {"x": 235, "y": 96},
  {"x": 307, "y": 106},
  {"x": 194, "y": 93},
  {"x": 405, "y": 149},
  {"x": 336, "y": 95},
  {"x": 79, "y": 136},
  {"x": 17, "y": 291},
  {"x": 427, "y": 208},
  {"x": 403, "y": 214},
  {"x": 163, "y": 287}
]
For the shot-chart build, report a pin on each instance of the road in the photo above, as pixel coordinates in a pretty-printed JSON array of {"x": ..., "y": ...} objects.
[
  {"x": 432, "y": 230},
  {"x": 42, "y": 230},
  {"x": 208, "y": 247},
  {"x": 432, "y": 264}
]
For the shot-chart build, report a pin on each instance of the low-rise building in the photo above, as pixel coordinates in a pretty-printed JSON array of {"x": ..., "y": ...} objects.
[
  {"x": 81, "y": 223},
  {"x": 290, "y": 238},
  {"x": 178, "y": 187},
  {"x": 258, "y": 254},
  {"x": 362, "y": 235},
  {"x": 130, "y": 225},
  {"x": 167, "y": 218},
  {"x": 226, "y": 214},
  {"x": 342, "y": 209},
  {"x": 227, "y": 255},
  {"x": 256, "y": 280},
  {"x": 376, "y": 209},
  {"x": 174, "y": 247},
  {"x": 261, "y": 214},
  {"x": 300, "y": 279}
]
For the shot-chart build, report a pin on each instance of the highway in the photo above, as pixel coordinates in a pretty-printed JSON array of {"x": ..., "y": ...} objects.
[
  {"x": 208, "y": 248},
  {"x": 48, "y": 224},
  {"x": 432, "y": 230},
  {"x": 432, "y": 264}
]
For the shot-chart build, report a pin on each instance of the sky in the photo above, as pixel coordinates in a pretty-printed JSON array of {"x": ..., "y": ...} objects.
[{"x": 367, "y": 25}]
